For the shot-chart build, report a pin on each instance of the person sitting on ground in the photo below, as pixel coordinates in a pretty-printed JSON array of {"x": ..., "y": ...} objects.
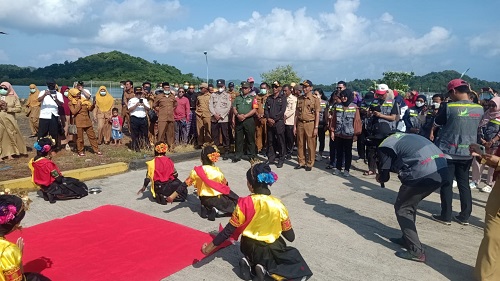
[
  {"x": 46, "y": 174},
  {"x": 81, "y": 108},
  {"x": 12, "y": 212},
  {"x": 217, "y": 199},
  {"x": 163, "y": 177},
  {"x": 262, "y": 220}
]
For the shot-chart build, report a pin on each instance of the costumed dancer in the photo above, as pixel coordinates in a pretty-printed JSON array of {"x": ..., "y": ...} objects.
[
  {"x": 47, "y": 175},
  {"x": 163, "y": 177},
  {"x": 263, "y": 221},
  {"x": 12, "y": 212},
  {"x": 217, "y": 199}
]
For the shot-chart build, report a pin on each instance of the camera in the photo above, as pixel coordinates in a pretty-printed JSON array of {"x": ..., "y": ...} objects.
[
  {"x": 375, "y": 107},
  {"x": 140, "y": 100}
]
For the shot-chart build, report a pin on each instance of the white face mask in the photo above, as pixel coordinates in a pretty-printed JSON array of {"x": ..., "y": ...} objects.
[
  {"x": 103, "y": 93},
  {"x": 221, "y": 90},
  {"x": 419, "y": 104},
  {"x": 176, "y": 89},
  {"x": 66, "y": 93},
  {"x": 186, "y": 87},
  {"x": 436, "y": 105},
  {"x": 32, "y": 90},
  {"x": 122, "y": 86},
  {"x": 166, "y": 92},
  {"x": 3, "y": 92}
]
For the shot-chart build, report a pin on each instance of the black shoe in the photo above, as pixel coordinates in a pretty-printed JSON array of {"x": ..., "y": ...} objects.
[
  {"x": 45, "y": 196},
  {"x": 235, "y": 160},
  {"x": 280, "y": 164},
  {"x": 245, "y": 271},
  {"x": 263, "y": 153},
  {"x": 440, "y": 219},
  {"x": 399, "y": 241},
  {"x": 288, "y": 156},
  {"x": 225, "y": 156},
  {"x": 212, "y": 214},
  {"x": 260, "y": 272},
  {"x": 408, "y": 256},
  {"x": 299, "y": 167},
  {"x": 270, "y": 162},
  {"x": 308, "y": 169},
  {"x": 203, "y": 212},
  {"x": 460, "y": 220}
]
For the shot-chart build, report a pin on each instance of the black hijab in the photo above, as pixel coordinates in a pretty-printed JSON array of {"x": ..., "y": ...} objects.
[{"x": 350, "y": 97}]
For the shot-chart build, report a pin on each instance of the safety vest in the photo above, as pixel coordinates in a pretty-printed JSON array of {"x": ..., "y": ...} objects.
[
  {"x": 416, "y": 156},
  {"x": 415, "y": 119},
  {"x": 386, "y": 109},
  {"x": 460, "y": 130},
  {"x": 491, "y": 130},
  {"x": 345, "y": 120}
]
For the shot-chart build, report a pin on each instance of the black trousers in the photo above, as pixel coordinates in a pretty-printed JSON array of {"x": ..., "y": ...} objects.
[
  {"x": 49, "y": 127},
  {"x": 361, "y": 145},
  {"x": 289, "y": 139},
  {"x": 333, "y": 154},
  {"x": 343, "y": 148},
  {"x": 371, "y": 153},
  {"x": 138, "y": 132},
  {"x": 276, "y": 141},
  {"x": 321, "y": 138},
  {"x": 406, "y": 208},
  {"x": 217, "y": 129},
  {"x": 245, "y": 137},
  {"x": 458, "y": 169}
]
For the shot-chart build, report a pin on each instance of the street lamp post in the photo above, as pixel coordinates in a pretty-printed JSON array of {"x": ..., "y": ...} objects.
[{"x": 206, "y": 60}]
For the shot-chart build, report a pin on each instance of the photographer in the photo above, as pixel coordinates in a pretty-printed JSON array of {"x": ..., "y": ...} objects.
[
  {"x": 138, "y": 107},
  {"x": 49, "y": 123}
]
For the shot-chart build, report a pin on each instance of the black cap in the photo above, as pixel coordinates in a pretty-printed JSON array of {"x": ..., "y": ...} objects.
[
  {"x": 307, "y": 83},
  {"x": 80, "y": 83},
  {"x": 231, "y": 84},
  {"x": 165, "y": 84},
  {"x": 276, "y": 84},
  {"x": 138, "y": 89},
  {"x": 221, "y": 82}
]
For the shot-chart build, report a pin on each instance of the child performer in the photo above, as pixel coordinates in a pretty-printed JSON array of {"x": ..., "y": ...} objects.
[
  {"x": 116, "y": 127},
  {"x": 217, "y": 199},
  {"x": 163, "y": 177},
  {"x": 262, "y": 220}
]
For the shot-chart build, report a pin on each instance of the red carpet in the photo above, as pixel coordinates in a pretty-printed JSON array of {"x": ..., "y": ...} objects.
[{"x": 109, "y": 243}]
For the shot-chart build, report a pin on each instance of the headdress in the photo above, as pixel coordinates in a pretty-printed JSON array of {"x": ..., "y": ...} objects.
[
  {"x": 12, "y": 211},
  {"x": 161, "y": 148},
  {"x": 44, "y": 145},
  {"x": 211, "y": 152}
]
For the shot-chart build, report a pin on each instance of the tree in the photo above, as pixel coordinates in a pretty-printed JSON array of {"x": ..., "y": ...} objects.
[
  {"x": 284, "y": 74},
  {"x": 397, "y": 80}
]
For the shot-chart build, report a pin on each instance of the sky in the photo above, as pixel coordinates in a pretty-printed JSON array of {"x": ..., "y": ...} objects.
[{"x": 325, "y": 41}]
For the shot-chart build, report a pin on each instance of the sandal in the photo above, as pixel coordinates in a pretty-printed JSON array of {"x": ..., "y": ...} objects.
[
  {"x": 98, "y": 153},
  {"x": 81, "y": 154},
  {"x": 368, "y": 173}
]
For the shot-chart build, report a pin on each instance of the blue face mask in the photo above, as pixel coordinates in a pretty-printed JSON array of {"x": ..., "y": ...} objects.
[
  {"x": 263, "y": 91},
  {"x": 3, "y": 92}
]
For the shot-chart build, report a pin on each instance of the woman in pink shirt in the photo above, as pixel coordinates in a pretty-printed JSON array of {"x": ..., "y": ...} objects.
[{"x": 181, "y": 117}]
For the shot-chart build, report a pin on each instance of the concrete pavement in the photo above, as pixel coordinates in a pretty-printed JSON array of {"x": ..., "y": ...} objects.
[{"x": 342, "y": 225}]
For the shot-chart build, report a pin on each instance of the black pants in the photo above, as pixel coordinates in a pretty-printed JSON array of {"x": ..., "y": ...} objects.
[
  {"x": 245, "y": 137},
  {"x": 321, "y": 138},
  {"x": 458, "y": 169},
  {"x": 217, "y": 129},
  {"x": 371, "y": 153},
  {"x": 361, "y": 145},
  {"x": 49, "y": 127},
  {"x": 289, "y": 139},
  {"x": 343, "y": 148},
  {"x": 276, "y": 141},
  {"x": 333, "y": 154},
  {"x": 406, "y": 208},
  {"x": 138, "y": 132}
]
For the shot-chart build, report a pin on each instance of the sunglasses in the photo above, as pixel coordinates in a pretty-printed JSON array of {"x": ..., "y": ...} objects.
[
  {"x": 5, "y": 88},
  {"x": 245, "y": 87},
  {"x": 181, "y": 92}
]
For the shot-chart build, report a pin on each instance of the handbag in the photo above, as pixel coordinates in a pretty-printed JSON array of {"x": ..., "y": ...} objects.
[
  {"x": 153, "y": 117},
  {"x": 72, "y": 127}
]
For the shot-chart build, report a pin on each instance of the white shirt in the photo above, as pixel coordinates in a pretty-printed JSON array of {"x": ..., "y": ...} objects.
[
  {"x": 48, "y": 106},
  {"x": 291, "y": 105},
  {"x": 87, "y": 92},
  {"x": 139, "y": 111}
]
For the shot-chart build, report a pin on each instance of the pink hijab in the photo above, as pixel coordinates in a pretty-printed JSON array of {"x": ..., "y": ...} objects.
[
  {"x": 491, "y": 113},
  {"x": 10, "y": 89}
]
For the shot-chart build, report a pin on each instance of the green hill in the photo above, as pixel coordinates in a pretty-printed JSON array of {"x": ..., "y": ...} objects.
[{"x": 111, "y": 66}]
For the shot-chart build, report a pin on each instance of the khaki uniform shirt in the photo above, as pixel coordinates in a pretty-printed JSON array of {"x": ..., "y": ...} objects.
[
  {"x": 220, "y": 103},
  {"x": 307, "y": 106},
  {"x": 81, "y": 115},
  {"x": 291, "y": 107},
  {"x": 261, "y": 101},
  {"x": 166, "y": 105},
  {"x": 202, "y": 109}
]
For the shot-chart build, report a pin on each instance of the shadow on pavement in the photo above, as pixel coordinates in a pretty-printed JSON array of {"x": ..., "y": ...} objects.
[{"x": 377, "y": 232}]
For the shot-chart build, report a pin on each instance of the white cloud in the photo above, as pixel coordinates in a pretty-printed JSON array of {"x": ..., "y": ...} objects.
[
  {"x": 70, "y": 54},
  {"x": 487, "y": 44}
]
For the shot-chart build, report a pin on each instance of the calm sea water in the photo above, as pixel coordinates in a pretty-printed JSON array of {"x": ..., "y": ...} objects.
[{"x": 23, "y": 91}]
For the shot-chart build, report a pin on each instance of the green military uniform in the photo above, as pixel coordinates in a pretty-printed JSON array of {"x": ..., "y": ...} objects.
[{"x": 245, "y": 130}]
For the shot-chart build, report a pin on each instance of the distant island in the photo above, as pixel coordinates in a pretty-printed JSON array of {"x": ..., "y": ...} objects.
[{"x": 117, "y": 66}]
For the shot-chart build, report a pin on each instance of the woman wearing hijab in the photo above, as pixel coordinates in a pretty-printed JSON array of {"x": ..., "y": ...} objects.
[
  {"x": 65, "y": 116},
  {"x": 8, "y": 95},
  {"x": 263, "y": 221},
  {"x": 489, "y": 136},
  {"x": 217, "y": 199},
  {"x": 81, "y": 108},
  {"x": 33, "y": 109},
  {"x": 322, "y": 124},
  {"x": 414, "y": 117},
  {"x": 345, "y": 126},
  {"x": 104, "y": 103},
  {"x": 11, "y": 140}
]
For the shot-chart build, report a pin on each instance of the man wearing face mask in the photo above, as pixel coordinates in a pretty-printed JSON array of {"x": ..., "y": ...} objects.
[
  {"x": 415, "y": 116},
  {"x": 152, "y": 116},
  {"x": 128, "y": 93},
  {"x": 33, "y": 109},
  {"x": 164, "y": 105},
  {"x": 219, "y": 106},
  {"x": 203, "y": 116},
  {"x": 192, "y": 96},
  {"x": 260, "y": 120},
  {"x": 85, "y": 93},
  {"x": 50, "y": 101},
  {"x": 138, "y": 108},
  {"x": 428, "y": 129}
]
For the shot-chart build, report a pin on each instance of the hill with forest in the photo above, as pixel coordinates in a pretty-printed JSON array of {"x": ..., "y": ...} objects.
[{"x": 110, "y": 66}]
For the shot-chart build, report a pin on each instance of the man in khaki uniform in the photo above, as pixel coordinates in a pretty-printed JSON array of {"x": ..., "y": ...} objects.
[
  {"x": 306, "y": 126},
  {"x": 164, "y": 105},
  {"x": 203, "y": 116},
  {"x": 128, "y": 93},
  {"x": 260, "y": 120}
]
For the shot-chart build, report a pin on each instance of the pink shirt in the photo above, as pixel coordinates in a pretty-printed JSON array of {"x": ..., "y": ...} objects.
[{"x": 182, "y": 109}]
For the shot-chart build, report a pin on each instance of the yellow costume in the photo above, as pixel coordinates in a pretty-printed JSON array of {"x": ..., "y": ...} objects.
[
  {"x": 213, "y": 173},
  {"x": 10, "y": 261},
  {"x": 270, "y": 219}
]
